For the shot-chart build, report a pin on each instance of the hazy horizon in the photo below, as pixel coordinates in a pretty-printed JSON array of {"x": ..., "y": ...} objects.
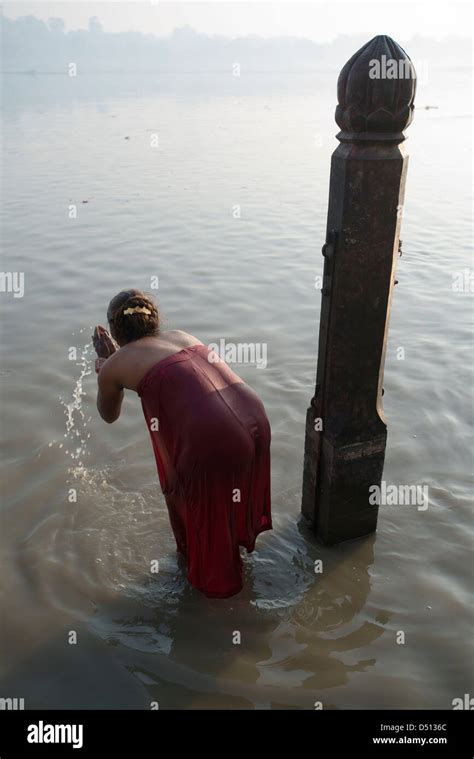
[
  {"x": 33, "y": 44},
  {"x": 318, "y": 22}
]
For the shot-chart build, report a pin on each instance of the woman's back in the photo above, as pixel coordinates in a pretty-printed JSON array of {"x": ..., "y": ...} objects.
[{"x": 211, "y": 440}]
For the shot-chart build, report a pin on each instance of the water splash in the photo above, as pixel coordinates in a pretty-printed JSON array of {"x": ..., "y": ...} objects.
[{"x": 76, "y": 435}]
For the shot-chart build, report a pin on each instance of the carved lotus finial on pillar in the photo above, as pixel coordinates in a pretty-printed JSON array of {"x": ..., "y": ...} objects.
[{"x": 376, "y": 92}]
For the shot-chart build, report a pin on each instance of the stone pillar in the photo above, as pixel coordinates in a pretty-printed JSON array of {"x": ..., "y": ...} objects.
[{"x": 345, "y": 427}]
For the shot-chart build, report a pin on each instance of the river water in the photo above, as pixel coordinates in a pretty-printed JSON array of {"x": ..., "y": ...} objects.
[{"x": 217, "y": 185}]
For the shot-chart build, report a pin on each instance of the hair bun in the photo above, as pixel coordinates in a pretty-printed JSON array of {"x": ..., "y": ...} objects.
[{"x": 130, "y": 303}]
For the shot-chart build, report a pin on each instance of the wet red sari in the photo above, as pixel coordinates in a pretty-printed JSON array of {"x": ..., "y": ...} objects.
[{"x": 212, "y": 450}]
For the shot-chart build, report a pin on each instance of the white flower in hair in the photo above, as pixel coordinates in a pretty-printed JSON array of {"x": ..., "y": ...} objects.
[{"x": 137, "y": 310}]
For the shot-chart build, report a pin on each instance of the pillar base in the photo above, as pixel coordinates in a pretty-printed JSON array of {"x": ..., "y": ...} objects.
[{"x": 336, "y": 485}]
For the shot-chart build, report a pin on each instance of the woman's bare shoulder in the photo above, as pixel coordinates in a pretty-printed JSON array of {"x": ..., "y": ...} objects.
[{"x": 180, "y": 335}]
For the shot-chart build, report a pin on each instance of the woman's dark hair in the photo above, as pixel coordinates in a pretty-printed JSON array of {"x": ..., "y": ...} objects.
[{"x": 126, "y": 322}]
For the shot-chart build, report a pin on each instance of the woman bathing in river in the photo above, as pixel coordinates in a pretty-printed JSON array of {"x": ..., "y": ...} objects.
[{"x": 209, "y": 432}]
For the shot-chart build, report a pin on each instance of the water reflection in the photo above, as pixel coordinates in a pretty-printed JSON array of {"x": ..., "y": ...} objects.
[{"x": 296, "y": 628}]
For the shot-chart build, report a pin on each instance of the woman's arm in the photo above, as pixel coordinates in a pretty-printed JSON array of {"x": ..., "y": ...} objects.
[{"x": 109, "y": 393}]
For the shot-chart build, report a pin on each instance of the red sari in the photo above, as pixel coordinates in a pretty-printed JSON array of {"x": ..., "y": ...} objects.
[{"x": 212, "y": 450}]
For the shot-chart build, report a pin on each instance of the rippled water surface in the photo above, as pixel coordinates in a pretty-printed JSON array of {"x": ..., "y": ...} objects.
[{"x": 263, "y": 143}]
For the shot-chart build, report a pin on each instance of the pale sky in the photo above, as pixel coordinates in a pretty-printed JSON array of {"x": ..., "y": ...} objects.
[{"x": 318, "y": 21}]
